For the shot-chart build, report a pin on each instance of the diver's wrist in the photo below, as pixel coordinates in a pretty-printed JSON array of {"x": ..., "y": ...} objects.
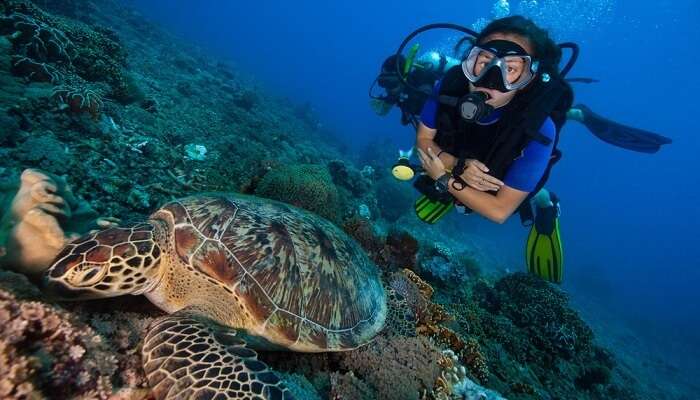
[{"x": 442, "y": 183}]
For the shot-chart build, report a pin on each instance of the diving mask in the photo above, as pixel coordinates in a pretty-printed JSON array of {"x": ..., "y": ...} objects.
[{"x": 501, "y": 65}]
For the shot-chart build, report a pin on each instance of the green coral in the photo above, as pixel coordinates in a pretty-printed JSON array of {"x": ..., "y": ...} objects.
[
  {"x": 307, "y": 186},
  {"x": 533, "y": 343},
  {"x": 540, "y": 307}
]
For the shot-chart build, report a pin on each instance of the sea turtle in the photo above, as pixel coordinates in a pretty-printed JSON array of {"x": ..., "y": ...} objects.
[{"x": 234, "y": 272}]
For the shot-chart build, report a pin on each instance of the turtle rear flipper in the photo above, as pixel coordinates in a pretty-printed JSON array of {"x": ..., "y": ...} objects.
[{"x": 186, "y": 357}]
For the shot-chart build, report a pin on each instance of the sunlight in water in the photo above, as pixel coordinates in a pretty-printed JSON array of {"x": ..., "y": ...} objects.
[{"x": 563, "y": 18}]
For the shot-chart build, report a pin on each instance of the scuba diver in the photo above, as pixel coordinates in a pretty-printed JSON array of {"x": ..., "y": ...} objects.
[
  {"x": 488, "y": 133},
  {"x": 420, "y": 75},
  {"x": 425, "y": 73}
]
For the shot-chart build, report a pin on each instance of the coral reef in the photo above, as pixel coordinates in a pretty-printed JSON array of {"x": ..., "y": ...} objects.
[
  {"x": 363, "y": 231},
  {"x": 130, "y": 99},
  {"x": 453, "y": 382},
  {"x": 37, "y": 40},
  {"x": 396, "y": 367},
  {"x": 80, "y": 99},
  {"x": 557, "y": 328},
  {"x": 346, "y": 176},
  {"x": 399, "y": 251},
  {"x": 307, "y": 186},
  {"x": 300, "y": 387},
  {"x": 348, "y": 387},
  {"x": 450, "y": 269},
  {"x": 34, "y": 71},
  {"x": 50, "y": 352}
]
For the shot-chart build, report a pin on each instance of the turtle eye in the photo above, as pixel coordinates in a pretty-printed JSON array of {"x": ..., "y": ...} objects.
[{"x": 87, "y": 274}]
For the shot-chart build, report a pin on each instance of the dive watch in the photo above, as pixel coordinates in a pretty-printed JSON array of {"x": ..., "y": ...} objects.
[{"x": 441, "y": 183}]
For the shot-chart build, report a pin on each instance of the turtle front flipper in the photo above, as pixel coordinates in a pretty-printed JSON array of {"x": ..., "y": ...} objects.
[{"x": 188, "y": 357}]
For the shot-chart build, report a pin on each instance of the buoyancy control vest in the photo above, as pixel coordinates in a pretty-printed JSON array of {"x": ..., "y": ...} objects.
[{"x": 498, "y": 144}]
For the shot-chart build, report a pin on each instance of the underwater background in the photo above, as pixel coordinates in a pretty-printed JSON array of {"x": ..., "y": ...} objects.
[
  {"x": 275, "y": 86},
  {"x": 629, "y": 220}
]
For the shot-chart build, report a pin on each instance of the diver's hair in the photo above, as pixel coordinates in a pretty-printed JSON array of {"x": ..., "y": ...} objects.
[{"x": 546, "y": 50}]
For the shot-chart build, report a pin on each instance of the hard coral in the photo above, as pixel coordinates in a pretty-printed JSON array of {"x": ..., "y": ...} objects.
[
  {"x": 533, "y": 303},
  {"x": 346, "y": 176},
  {"x": 48, "y": 349},
  {"x": 400, "y": 250},
  {"x": 34, "y": 71},
  {"x": 431, "y": 317},
  {"x": 362, "y": 230},
  {"x": 37, "y": 40},
  {"x": 307, "y": 186},
  {"x": 476, "y": 362},
  {"x": 396, "y": 367},
  {"x": 349, "y": 387},
  {"x": 453, "y": 383}
]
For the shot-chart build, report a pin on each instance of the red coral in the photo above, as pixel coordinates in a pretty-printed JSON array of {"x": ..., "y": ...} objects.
[
  {"x": 361, "y": 230},
  {"x": 399, "y": 251},
  {"x": 80, "y": 99}
]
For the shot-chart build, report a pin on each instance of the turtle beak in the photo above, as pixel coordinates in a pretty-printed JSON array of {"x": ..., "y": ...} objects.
[{"x": 58, "y": 291}]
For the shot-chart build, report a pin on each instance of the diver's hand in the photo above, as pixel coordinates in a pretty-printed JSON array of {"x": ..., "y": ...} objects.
[
  {"x": 432, "y": 165},
  {"x": 476, "y": 176}
]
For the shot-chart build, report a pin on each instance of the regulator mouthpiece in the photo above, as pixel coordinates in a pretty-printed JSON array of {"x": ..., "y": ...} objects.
[{"x": 473, "y": 106}]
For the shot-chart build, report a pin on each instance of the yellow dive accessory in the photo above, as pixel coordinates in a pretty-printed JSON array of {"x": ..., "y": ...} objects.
[
  {"x": 403, "y": 170},
  {"x": 431, "y": 211},
  {"x": 410, "y": 58},
  {"x": 544, "y": 254}
]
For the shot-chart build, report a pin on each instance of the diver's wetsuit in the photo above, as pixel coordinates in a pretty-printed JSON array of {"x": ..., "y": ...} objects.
[{"x": 527, "y": 170}]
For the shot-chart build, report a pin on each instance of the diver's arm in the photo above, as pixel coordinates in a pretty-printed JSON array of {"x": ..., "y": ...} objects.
[
  {"x": 496, "y": 208},
  {"x": 425, "y": 139}
]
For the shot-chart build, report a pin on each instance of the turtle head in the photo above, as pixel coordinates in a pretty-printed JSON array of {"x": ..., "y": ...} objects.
[{"x": 112, "y": 262}]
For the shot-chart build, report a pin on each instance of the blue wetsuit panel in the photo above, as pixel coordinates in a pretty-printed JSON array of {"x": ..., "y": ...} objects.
[
  {"x": 527, "y": 170},
  {"x": 429, "y": 113}
]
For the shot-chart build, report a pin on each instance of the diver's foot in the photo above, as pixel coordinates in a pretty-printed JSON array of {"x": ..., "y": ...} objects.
[{"x": 575, "y": 114}]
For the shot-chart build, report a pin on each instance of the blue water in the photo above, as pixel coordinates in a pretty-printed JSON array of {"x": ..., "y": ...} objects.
[{"x": 630, "y": 220}]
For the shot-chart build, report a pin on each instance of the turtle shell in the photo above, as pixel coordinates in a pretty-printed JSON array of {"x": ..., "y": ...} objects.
[{"x": 302, "y": 282}]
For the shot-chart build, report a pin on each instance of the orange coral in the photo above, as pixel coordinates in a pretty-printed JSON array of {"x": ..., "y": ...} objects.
[
  {"x": 425, "y": 288},
  {"x": 430, "y": 320},
  {"x": 475, "y": 360}
]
